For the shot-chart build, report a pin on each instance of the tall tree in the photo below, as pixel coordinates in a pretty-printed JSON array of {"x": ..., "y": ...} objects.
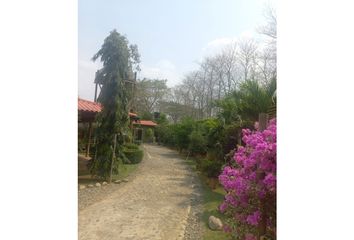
[
  {"x": 270, "y": 31},
  {"x": 149, "y": 93},
  {"x": 118, "y": 60},
  {"x": 246, "y": 56},
  {"x": 174, "y": 110},
  {"x": 246, "y": 66}
]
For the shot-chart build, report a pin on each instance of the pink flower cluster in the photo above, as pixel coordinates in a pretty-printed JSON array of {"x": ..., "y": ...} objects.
[{"x": 249, "y": 180}]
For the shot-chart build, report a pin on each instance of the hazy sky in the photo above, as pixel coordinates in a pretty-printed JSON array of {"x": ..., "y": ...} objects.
[{"x": 172, "y": 36}]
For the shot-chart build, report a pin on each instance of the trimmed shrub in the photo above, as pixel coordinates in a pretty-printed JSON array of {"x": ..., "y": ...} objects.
[
  {"x": 133, "y": 155},
  {"x": 131, "y": 146}
]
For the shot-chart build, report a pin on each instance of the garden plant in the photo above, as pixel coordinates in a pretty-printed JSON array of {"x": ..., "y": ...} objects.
[{"x": 250, "y": 183}]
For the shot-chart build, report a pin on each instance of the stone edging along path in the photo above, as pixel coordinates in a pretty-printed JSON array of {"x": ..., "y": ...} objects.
[{"x": 154, "y": 204}]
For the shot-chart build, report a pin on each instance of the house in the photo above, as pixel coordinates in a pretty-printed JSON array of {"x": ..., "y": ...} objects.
[
  {"x": 144, "y": 130},
  {"x": 87, "y": 111}
]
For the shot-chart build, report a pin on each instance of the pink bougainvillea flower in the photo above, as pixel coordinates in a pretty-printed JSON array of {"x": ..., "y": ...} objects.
[
  {"x": 254, "y": 218},
  {"x": 227, "y": 228},
  {"x": 249, "y": 180},
  {"x": 223, "y": 207},
  {"x": 269, "y": 180}
]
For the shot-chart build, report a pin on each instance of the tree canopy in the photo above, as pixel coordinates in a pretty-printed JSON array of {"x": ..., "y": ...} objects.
[{"x": 149, "y": 93}]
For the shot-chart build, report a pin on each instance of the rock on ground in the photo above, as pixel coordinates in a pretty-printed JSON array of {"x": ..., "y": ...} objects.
[{"x": 215, "y": 223}]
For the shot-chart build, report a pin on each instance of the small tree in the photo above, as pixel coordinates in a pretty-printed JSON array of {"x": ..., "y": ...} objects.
[{"x": 118, "y": 61}]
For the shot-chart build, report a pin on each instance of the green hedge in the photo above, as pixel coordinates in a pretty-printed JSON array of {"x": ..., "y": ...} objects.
[
  {"x": 197, "y": 143},
  {"x": 133, "y": 155}
]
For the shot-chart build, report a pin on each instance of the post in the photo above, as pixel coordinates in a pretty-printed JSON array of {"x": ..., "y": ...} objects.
[
  {"x": 239, "y": 137},
  {"x": 262, "y": 227},
  {"x": 95, "y": 100},
  {"x": 95, "y": 157},
  {"x": 88, "y": 141},
  {"x": 113, "y": 156},
  {"x": 263, "y": 121}
]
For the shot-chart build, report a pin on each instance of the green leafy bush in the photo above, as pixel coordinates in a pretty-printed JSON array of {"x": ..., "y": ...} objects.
[
  {"x": 197, "y": 143},
  {"x": 166, "y": 134},
  {"x": 133, "y": 155},
  {"x": 182, "y": 131},
  {"x": 232, "y": 135},
  {"x": 149, "y": 135}
]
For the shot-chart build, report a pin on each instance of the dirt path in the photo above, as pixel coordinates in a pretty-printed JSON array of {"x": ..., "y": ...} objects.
[{"x": 154, "y": 205}]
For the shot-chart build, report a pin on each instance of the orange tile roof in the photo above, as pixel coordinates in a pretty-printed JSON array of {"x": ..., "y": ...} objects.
[
  {"x": 88, "y": 106},
  {"x": 146, "y": 123}
]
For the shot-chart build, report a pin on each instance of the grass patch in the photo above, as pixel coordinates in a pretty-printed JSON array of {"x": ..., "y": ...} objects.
[
  {"x": 212, "y": 198},
  {"x": 125, "y": 171}
]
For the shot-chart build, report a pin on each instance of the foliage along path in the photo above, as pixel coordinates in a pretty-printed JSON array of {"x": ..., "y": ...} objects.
[{"x": 154, "y": 205}]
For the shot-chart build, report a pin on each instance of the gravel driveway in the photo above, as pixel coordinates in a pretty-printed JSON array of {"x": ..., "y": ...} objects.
[{"x": 161, "y": 201}]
